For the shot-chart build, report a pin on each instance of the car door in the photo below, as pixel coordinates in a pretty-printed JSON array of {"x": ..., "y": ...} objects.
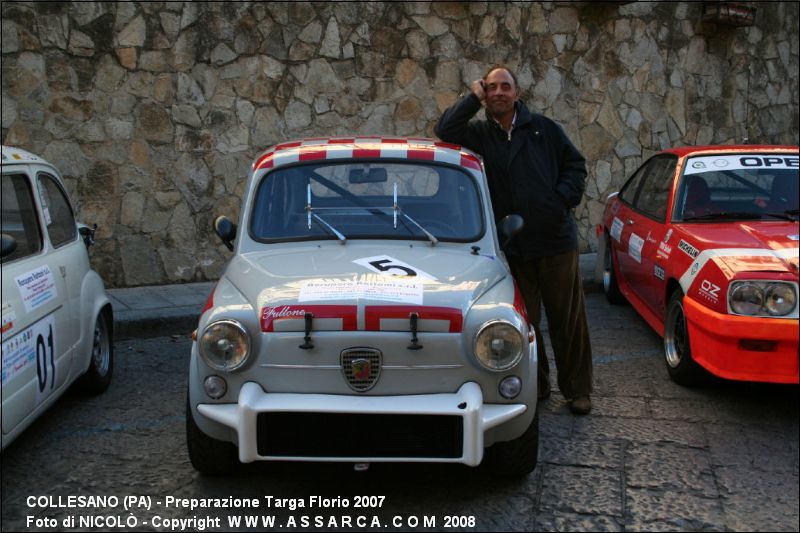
[
  {"x": 68, "y": 252},
  {"x": 36, "y": 349},
  {"x": 647, "y": 229},
  {"x": 621, "y": 226}
]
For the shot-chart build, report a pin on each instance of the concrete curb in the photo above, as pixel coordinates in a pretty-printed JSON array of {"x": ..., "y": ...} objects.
[{"x": 144, "y": 324}]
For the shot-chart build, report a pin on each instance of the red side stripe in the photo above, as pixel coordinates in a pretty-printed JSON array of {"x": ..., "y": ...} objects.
[
  {"x": 374, "y": 313},
  {"x": 422, "y": 153},
  {"x": 209, "y": 301},
  {"x": 470, "y": 161},
  {"x": 288, "y": 145},
  {"x": 366, "y": 152},
  {"x": 348, "y": 314},
  {"x": 265, "y": 161},
  {"x": 312, "y": 153},
  {"x": 447, "y": 145},
  {"x": 519, "y": 303}
]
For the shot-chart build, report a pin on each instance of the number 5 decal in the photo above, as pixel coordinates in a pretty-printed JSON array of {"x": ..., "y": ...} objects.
[{"x": 384, "y": 264}]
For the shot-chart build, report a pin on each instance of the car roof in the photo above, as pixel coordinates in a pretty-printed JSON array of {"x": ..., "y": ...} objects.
[
  {"x": 12, "y": 155},
  {"x": 683, "y": 151},
  {"x": 338, "y": 148}
]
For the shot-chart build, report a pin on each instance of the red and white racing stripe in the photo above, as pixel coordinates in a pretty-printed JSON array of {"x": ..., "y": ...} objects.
[
  {"x": 688, "y": 277},
  {"x": 367, "y": 148}
]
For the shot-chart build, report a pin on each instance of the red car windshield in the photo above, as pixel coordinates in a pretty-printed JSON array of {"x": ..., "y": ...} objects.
[{"x": 739, "y": 187}]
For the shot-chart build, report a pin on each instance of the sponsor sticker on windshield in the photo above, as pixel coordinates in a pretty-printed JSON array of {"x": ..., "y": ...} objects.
[{"x": 713, "y": 163}]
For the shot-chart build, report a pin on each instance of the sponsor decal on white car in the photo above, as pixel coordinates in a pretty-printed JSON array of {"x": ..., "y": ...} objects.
[
  {"x": 33, "y": 346},
  {"x": 37, "y": 287},
  {"x": 368, "y": 287}
]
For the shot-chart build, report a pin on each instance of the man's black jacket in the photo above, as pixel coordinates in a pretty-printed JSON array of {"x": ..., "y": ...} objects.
[{"x": 538, "y": 173}]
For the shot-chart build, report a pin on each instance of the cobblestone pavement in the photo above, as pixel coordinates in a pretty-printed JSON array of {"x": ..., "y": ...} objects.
[{"x": 651, "y": 456}]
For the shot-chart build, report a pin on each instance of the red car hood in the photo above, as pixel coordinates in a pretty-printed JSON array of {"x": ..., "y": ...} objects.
[{"x": 766, "y": 245}]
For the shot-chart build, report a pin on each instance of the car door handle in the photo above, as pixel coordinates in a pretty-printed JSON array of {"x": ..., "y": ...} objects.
[{"x": 630, "y": 222}]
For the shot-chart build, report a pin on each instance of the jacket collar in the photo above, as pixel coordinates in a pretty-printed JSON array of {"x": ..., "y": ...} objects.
[{"x": 521, "y": 116}]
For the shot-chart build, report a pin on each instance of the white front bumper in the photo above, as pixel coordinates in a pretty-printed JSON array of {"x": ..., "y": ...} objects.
[{"x": 466, "y": 403}]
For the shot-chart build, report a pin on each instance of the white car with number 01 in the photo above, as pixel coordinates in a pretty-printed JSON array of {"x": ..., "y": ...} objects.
[
  {"x": 368, "y": 314},
  {"x": 56, "y": 317}
]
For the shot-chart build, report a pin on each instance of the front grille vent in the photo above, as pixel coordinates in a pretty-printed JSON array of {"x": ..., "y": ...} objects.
[{"x": 361, "y": 367}]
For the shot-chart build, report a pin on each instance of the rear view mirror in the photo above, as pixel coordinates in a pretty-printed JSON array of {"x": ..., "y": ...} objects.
[
  {"x": 226, "y": 230},
  {"x": 372, "y": 175},
  {"x": 9, "y": 244},
  {"x": 87, "y": 233},
  {"x": 509, "y": 226}
]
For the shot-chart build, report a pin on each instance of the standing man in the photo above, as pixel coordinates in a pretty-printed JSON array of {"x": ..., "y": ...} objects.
[{"x": 534, "y": 170}]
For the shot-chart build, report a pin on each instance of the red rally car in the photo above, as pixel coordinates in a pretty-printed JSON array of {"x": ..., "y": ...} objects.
[{"x": 703, "y": 242}]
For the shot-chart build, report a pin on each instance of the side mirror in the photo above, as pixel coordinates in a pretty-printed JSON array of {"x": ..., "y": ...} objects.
[
  {"x": 87, "y": 233},
  {"x": 226, "y": 230},
  {"x": 9, "y": 244},
  {"x": 509, "y": 226}
]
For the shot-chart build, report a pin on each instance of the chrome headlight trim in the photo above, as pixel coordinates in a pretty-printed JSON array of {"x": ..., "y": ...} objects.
[
  {"x": 220, "y": 363},
  {"x": 771, "y": 298},
  {"x": 514, "y": 360}
]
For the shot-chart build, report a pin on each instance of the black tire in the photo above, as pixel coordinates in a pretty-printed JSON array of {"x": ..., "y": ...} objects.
[
  {"x": 681, "y": 367},
  {"x": 208, "y": 455},
  {"x": 515, "y": 458},
  {"x": 610, "y": 285},
  {"x": 97, "y": 377}
]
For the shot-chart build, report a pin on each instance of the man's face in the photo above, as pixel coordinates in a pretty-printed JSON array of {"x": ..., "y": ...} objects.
[{"x": 501, "y": 92}]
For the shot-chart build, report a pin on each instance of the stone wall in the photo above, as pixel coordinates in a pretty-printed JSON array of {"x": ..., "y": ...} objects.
[{"x": 154, "y": 110}]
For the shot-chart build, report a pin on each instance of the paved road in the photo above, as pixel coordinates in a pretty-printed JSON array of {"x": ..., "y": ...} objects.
[{"x": 652, "y": 456}]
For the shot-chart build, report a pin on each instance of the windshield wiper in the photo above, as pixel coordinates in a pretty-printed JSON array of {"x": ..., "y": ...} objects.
[
  {"x": 330, "y": 229},
  {"x": 427, "y": 233},
  {"x": 396, "y": 209},
  {"x": 789, "y": 214},
  {"x": 738, "y": 215},
  {"x": 310, "y": 214}
]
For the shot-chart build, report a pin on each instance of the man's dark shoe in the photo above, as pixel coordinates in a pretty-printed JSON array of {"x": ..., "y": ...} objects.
[
  {"x": 544, "y": 393},
  {"x": 580, "y": 405}
]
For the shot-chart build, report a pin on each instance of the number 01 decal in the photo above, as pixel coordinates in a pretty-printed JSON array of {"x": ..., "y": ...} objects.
[
  {"x": 45, "y": 359},
  {"x": 387, "y": 265},
  {"x": 33, "y": 348}
]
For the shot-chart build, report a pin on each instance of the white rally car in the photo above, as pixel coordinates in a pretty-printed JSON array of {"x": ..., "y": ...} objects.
[
  {"x": 56, "y": 317},
  {"x": 368, "y": 314}
]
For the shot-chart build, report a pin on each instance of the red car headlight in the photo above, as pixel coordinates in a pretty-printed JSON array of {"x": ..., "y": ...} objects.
[{"x": 762, "y": 298}]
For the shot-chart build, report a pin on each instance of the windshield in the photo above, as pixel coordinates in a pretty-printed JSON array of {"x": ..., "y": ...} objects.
[
  {"x": 738, "y": 187},
  {"x": 375, "y": 199}
]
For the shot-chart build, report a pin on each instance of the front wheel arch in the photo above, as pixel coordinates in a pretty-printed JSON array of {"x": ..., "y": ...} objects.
[{"x": 681, "y": 366}]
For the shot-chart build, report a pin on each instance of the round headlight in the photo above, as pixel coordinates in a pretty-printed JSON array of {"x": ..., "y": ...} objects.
[
  {"x": 498, "y": 346},
  {"x": 747, "y": 299},
  {"x": 225, "y": 345},
  {"x": 779, "y": 299}
]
